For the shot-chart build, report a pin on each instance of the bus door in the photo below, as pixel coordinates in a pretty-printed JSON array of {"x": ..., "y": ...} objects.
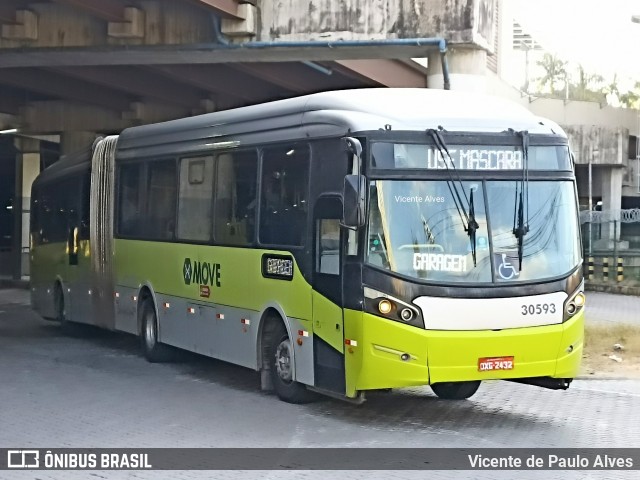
[
  {"x": 78, "y": 263},
  {"x": 328, "y": 343}
]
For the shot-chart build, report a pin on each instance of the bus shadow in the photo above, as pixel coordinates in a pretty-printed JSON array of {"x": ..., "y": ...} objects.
[
  {"x": 417, "y": 408},
  {"x": 184, "y": 364},
  {"x": 409, "y": 408}
]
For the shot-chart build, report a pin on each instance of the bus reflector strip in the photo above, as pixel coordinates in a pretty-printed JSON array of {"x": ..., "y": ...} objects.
[
  {"x": 220, "y": 316},
  {"x": 191, "y": 310},
  {"x": 303, "y": 333},
  {"x": 166, "y": 305},
  {"x": 245, "y": 321},
  {"x": 352, "y": 343},
  {"x": 134, "y": 298},
  {"x": 117, "y": 295}
]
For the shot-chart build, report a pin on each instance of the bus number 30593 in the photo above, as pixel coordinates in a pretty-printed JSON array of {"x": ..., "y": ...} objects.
[{"x": 538, "y": 308}]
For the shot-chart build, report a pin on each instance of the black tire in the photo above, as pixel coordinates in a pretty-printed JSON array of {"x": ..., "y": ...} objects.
[
  {"x": 67, "y": 327},
  {"x": 455, "y": 390},
  {"x": 281, "y": 368},
  {"x": 58, "y": 304},
  {"x": 152, "y": 349}
]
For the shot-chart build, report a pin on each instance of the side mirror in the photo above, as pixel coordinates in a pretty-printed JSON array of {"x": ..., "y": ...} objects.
[{"x": 353, "y": 195}]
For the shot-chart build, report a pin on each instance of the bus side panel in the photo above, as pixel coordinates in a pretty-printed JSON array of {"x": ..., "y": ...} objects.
[
  {"x": 225, "y": 288},
  {"x": 48, "y": 262}
]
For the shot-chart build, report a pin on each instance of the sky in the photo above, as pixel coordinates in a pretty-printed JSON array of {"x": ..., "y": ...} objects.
[{"x": 598, "y": 34}]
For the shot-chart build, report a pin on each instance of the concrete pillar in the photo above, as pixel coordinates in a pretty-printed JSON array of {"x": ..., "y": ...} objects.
[
  {"x": 27, "y": 169},
  {"x": 612, "y": 201},
  {"x": 72, "y": 142},
  {"x": 467, "y": 70}
]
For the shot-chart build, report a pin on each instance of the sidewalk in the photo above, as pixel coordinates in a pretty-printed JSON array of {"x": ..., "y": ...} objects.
[
  {"x": 15, "y": 296},
  {"x": 612, "y": 308}
]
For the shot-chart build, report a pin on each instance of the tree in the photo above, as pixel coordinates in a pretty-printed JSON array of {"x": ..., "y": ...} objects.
[
  {"x": 555, "y": 73},
  {"x": 631, "y": 98},
  {"x": 588, "y": 88}
]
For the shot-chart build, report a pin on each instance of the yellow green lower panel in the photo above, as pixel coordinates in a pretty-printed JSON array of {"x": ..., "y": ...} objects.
[{"x": 390, "y": 354}]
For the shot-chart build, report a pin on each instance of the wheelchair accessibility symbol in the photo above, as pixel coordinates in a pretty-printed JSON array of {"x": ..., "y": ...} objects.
[{"x": 505, "y": 268}]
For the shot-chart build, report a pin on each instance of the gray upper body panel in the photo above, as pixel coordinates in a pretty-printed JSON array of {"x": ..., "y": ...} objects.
[
  {"x": 68, "y": 165},
  {"x": 332, "y": 114}
]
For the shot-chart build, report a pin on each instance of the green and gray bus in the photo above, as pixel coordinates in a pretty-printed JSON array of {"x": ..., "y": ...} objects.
[{"x": 337, "y": 243}]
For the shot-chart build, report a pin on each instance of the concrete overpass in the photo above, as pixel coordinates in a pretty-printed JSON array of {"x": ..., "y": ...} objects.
[{"x": 74, "y": 69}]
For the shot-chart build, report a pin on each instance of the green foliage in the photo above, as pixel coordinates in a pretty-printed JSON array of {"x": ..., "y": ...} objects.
[
  {"x": 583, "y": 85},
  {"x": 555, "y": 74}
]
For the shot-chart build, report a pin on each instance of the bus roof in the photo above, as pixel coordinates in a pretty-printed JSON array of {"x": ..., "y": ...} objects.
[
  {"x": 332, "y": 114},
  {"x": 70, "y": 164}
]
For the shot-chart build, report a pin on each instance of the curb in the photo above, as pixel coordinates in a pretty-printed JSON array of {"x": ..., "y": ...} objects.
[
  {"x": 618, "y": 289},
  {"x": 6, "y": 283}
]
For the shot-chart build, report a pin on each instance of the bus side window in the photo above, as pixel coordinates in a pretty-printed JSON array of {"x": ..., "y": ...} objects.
[
  {"x": 195, "y": 199},
  {"x": 161, "y": 200},
  {"x": 235, "y": 212},
  {"x": 284, "y": 197},
  {"x": 130, "y": 205}
]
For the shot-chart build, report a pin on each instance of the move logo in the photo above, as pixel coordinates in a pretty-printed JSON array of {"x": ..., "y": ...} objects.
[{"x": 201, "y": 273}]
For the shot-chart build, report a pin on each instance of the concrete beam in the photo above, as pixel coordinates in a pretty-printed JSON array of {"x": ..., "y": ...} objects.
[
  {"x": 224, "y": 8},
  {"x": 55, "y": 85},
  {"x": 245, "y": 27},
  {"x": 59, "y": 116},
  {"x": 131, "y": 27},
  {"x": 140, "y": 82},
  {"x": 25, "y": 28},
  {"x": 209, "y": 54},
  {"x": 8, "y": 121},
  {"x": 109, "y": 10},
  {"x": 8, "y": 11},
  {"x": 223, "y": 80},
  {"x": 388, "y": 73}
]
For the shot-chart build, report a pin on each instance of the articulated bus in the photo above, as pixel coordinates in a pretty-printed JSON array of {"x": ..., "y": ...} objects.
[{"x": 337, "y": 243}]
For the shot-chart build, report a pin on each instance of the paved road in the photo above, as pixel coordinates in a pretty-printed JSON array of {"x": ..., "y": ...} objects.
[
  {"x": 610, "y": 308},
  {"x": 94, "y": 390}
]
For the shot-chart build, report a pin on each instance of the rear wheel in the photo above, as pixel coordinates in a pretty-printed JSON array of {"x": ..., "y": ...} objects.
[
  {"x": 58, "y": 304},
  {"x": 280, "y": 355},
  {"x": 455, "y": 390},
  {"x": 67, "y": 327},
  {"x": 153, "y": 350}
]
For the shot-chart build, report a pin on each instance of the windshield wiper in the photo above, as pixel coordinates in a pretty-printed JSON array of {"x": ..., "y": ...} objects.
[
  {"x": 472, "y": 227},
  {"x": 520, "y": 226},
  {"x": 469, "y": 223}
]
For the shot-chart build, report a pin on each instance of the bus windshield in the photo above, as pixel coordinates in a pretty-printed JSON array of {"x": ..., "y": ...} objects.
[{"x": 416, "y": 230}]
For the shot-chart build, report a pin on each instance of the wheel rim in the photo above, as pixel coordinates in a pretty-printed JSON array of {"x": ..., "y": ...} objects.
[
  {"x": 150, "y": 331},
  {"x": 283, "y": 361}
]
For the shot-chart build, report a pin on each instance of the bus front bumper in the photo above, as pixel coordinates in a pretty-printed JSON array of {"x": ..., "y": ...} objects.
[{"x": 391, "y": 355}]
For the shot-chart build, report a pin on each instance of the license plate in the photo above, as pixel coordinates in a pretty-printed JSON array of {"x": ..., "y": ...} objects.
[{"x": 495, "y": 363}]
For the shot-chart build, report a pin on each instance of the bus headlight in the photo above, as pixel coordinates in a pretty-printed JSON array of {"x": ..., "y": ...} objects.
[
  {"x": 574, "y": 303},
  {"x": 385, "y": 307},
  {"x": 392, "y": 308}
]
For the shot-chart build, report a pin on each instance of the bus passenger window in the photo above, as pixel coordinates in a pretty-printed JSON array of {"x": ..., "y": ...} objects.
[
  {"x": 130, "y": 207},
  {"x": 283, "y": 202},
  {"x": 195, "y": 199},
  {"x": 235, "y": 211},
  {"x": 162, "y": 200}
]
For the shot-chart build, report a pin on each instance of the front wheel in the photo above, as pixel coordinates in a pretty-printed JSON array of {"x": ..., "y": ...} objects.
[
  {"x": 153, "y": 350},
  {"x": 455, "y": 390},
  {"x": 281, "y": 367}
]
